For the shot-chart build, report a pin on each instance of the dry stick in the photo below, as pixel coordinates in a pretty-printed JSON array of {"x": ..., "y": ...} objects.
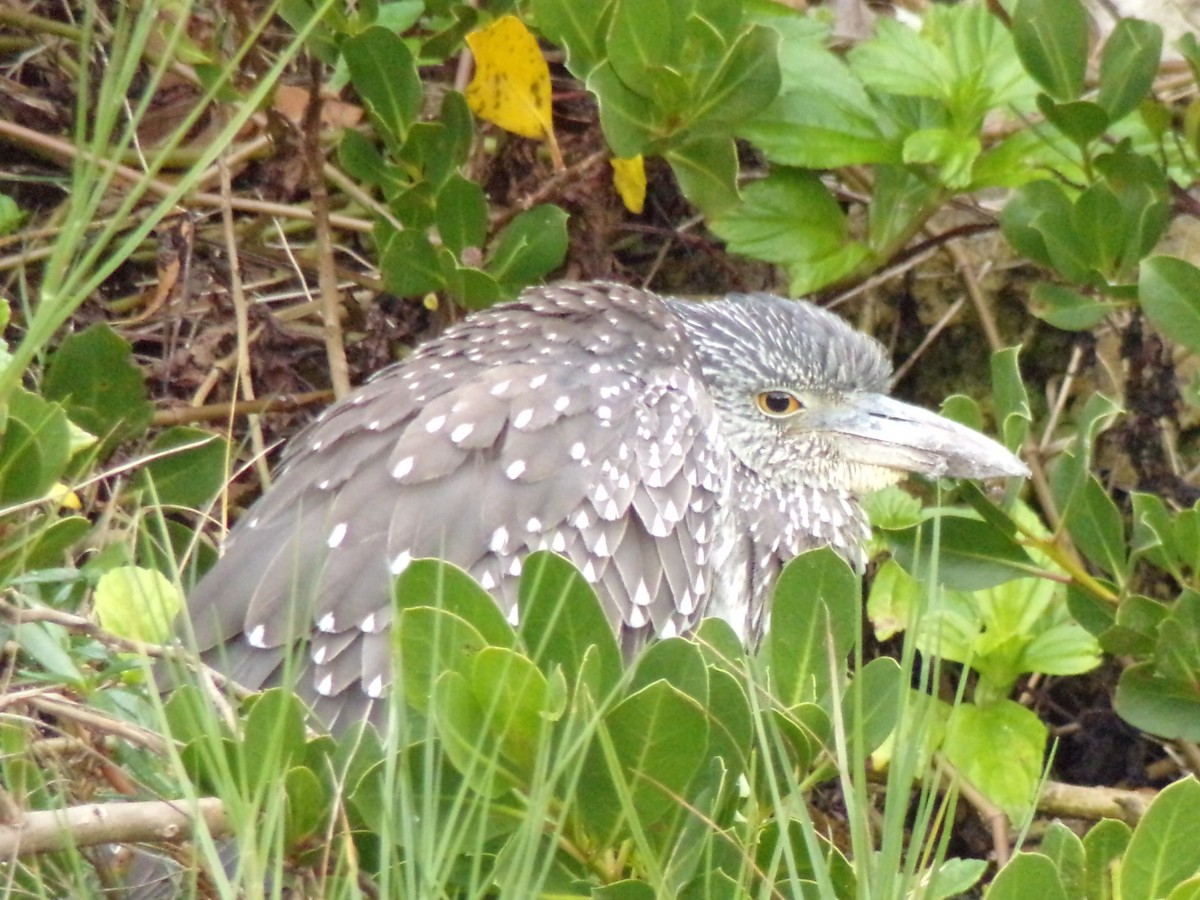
[
  {"x": 938, "y": 327},
  {"x": 241, "y": 312},
  {"x": 327, "y": 281},
  {"x": 982, "y": 309},
  {"x": 214, "y": 412},
  {"x": 155, "y": 821},
  {"x": 65, "y": 152}
]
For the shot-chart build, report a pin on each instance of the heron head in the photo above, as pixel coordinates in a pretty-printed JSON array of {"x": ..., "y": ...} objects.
[{"x": 802, "y": 399}]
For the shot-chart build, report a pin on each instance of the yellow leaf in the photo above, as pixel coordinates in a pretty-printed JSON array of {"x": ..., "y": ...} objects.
[
  {"x": 137, "y": 604},
  {"x": 511, "y": 86},
  {"x": 629, "y": 178}
]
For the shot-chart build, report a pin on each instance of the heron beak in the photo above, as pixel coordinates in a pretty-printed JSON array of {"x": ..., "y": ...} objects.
[{"x": 881, "y": 432}]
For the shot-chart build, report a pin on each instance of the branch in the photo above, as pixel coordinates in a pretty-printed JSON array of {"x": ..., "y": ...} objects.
[{"x": 150, "y": 821}]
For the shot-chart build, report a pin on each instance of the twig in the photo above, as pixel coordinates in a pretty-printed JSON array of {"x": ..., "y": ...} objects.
[
  {"x": 214, "y": 412},
  {"x": 327, "y": 280},
  {"x": 153, "y": 821}
]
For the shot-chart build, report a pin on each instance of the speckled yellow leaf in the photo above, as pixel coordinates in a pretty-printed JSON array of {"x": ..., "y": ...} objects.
[
  {"x": 629, "y": 178},
  {"x": 511, "y": 87}
]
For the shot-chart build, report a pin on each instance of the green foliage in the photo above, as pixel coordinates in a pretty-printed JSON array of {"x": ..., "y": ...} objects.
[{"x": 1159, "y": 858}]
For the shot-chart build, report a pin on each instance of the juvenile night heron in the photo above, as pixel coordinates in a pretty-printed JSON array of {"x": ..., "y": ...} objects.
[{"x": 678, "y": 453}]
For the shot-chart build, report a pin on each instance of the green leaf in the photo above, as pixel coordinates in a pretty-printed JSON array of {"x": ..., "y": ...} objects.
[
  {"x": 872, "y": 704},
  {"x": 409, "y": 263},
  {"x": 34, "y": 448},
  {"x": 307, "y": 804},
  {"x": 1080, "y": 120},
  {"x": 656, "y": 739},
  {"x": 706, "y": 170},
  {"x": 643, "y": 42},
  {"x": 519, "y": 703},
  {"x": 273, "y": 736},
  {"x": 1011, "y": 399},
  {"x": 969, "y": 555},
  {"x": 561, "y": 619},
  {"x": 1128, "y": 66},
  {"x": 137, "y": 604},
  {"x": 1162, "y": 706},
  {"x": 1104, "y": 844},
  {"x": 93, "y": 376},
  {"x": 578, "y": 27},
  {"x": 900, "y": 60},
  {"x": 1051, "y": 37},
  {"x": 744, "y": 82},
  {"x": 813, "y": 621},
  {"x": 1065, "y": 850},
  {"x": 531, "y": 246},
  {"x": 47, "y": 644},
  {"x": 790, "y": 218},
  {"x": 999, "y": 748},
  {"x": 1027, "y": 875},
  {"x": 1169, "y": 289},
  {"x": 384, "y": 73},
  {"x": 1068, "y": 309},
  {"x": 1092, "y": 519},
  {"x": 444, "y": 586},
  {"x": 462, "y": 214},
  {"x": 187, "y": 467},
  {"x": 462, "y": 727},
  {"x": 1163, "y": 851},
  {"x": 432, "y": 642}
]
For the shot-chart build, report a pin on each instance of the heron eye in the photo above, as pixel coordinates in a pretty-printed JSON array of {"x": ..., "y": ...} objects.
[{"x": 778, "y": 403}]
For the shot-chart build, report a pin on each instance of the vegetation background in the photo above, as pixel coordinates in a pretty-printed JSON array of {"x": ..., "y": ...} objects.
[{"x": 217, "y": 216}]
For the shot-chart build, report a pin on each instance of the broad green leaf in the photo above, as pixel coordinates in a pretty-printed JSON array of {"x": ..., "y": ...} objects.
[
  {"x": 1128, "y": 65},
  {"x": 580, "y": 28},
  {"x": 1051, "y": 37},
  {"x": 34, "y": 448},
  {"x": 561, "y": 619},
  {"x": 384, "y": 73},
  {"x": 788, "y": 218},
  {"x": 1065, "y": 850},
  {"x": 746, "y": 80},
  {"x": 899, "y": 60},
  {"x": 429, "y": 643},
  {"x": 872, "y": 704},
  {"x": 442, "y": 585},
  {"x": 999, "y": 748},
  {"x": 1011, "y": 398},
  {"x": 1169, "y": 289},
  {"x": 137, "y": 604},
  {"x": 307, "y": 804},
  {"x": 968, "y": 554},
  {"x": 1103, "y": 846},
  {"x": 677, "y": 661},
  {"x": 644, "y": 41},
  {"x": 462, "y": 726},
  {"x": 813, "y": 621},
  {"x": 519, "y": 704},
  {"x": 1080, "y": 120},
  {"x": 1178, "y": 652},
  {"x": 1164, "y": 707},
  {"x": 954, "y": 878},
  {"x": 1027, "y": 875},
  {"x": 93, "y": 376},
  {"x": 273, "y": 736},
  {"x": 409, "y": 264},
  {"x": 462, "y": 214},
  {"x": 187, "y": 467},
  {"x": 531, "y": 246},
  {"x": 1163, "y": 851},
  {"x": 706, "y": 170},
  {"x": 658, "y": 738},
  {"x": 1068, "y": 309}
]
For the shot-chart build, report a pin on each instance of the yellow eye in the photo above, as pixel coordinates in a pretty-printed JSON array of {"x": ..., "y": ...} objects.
[{"x": 778, "y": 403}]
